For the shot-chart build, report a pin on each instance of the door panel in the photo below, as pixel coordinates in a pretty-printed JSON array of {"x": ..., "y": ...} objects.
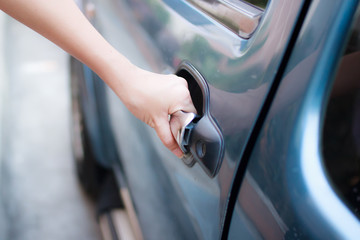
[
  {"x": 287, "y": 192},
  {"x": 157, "y": 35}
]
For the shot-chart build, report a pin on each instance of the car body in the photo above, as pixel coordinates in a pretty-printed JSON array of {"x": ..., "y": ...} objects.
[{"x": 268, "y": 70}]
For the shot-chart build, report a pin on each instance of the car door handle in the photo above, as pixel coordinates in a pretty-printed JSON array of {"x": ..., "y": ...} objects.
[{"x": 198, "y": 135}]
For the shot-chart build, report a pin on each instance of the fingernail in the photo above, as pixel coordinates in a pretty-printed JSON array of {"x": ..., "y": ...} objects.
[{"x": 178, "y": 153}]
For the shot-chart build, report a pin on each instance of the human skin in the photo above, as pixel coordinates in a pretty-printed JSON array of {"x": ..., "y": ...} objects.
[{"x": 149, "y": 96}]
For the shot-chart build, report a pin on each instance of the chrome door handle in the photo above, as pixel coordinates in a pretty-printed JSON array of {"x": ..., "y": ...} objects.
[
  {"x": 198, "y": 136},
  {"x": 181, "y": 125}
]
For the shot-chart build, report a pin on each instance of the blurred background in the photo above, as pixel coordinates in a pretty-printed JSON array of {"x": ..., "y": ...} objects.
[{"x": 40, "y": 196}]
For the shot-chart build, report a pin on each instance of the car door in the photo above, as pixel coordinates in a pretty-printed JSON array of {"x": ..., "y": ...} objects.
[
  {"x": 231, "y": 51},
  {"x": 302, "y": 177}
]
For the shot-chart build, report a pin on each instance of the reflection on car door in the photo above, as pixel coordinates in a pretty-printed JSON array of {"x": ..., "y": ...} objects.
[{"x": 174, "y": 201}]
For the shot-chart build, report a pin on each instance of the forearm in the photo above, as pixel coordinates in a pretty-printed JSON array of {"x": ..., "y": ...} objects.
[
  {"x": 63, "y": 23},
  {"x": 150, "y": 97}
]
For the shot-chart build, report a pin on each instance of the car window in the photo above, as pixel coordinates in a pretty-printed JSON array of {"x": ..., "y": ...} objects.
[
  {"x": 258, "y": 3},
  {"x": 341, "y": 132}
]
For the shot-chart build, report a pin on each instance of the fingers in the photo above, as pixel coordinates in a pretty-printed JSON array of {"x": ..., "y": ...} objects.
[
  {"x": 181, "y": 102},
  {"x": 175, "y": 124},
  {"x": 163, "y": 131},
  {"x": 183, "y": 99},
  {"x": 189, "y": 107},
  {"x": 165, "y": 95}
]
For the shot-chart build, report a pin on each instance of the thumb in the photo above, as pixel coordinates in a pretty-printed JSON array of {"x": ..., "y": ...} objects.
[{"x": 163, "y": 131}]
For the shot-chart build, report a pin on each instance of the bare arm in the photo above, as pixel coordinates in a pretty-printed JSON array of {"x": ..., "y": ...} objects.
[{"x": 150, "y": 97}]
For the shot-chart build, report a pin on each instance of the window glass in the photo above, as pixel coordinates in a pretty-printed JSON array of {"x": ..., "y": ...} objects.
[
  {"x": 259, "y": 3},
  {"x": 341, "y": 133}
]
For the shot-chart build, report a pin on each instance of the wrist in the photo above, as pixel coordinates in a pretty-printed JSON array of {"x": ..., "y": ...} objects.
[{"x": 117, "y": 72}]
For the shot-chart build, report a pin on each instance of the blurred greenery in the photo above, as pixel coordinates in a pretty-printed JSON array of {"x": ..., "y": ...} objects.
[
  {"x": 259, "y": 3},
  {"x": 156, "y": 8}
]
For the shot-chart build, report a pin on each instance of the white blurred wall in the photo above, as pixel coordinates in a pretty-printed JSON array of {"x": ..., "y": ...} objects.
[{"x": 3, "y": 222}]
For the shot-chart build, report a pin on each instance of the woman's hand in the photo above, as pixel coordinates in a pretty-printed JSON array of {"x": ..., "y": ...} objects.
[{"x": 152, "y": 98}]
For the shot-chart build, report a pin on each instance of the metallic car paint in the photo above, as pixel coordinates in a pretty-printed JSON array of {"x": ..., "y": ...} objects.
[
  {"x": 285, "y": 174},
  {"x": 241, "y": 71}
]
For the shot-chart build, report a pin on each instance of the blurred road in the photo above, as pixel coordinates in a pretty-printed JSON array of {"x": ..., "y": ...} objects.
[{"x": 40, "y": 196}]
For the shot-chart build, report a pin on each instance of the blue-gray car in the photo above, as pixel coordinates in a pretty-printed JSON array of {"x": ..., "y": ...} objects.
[{"x": 274, "y": 151}]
